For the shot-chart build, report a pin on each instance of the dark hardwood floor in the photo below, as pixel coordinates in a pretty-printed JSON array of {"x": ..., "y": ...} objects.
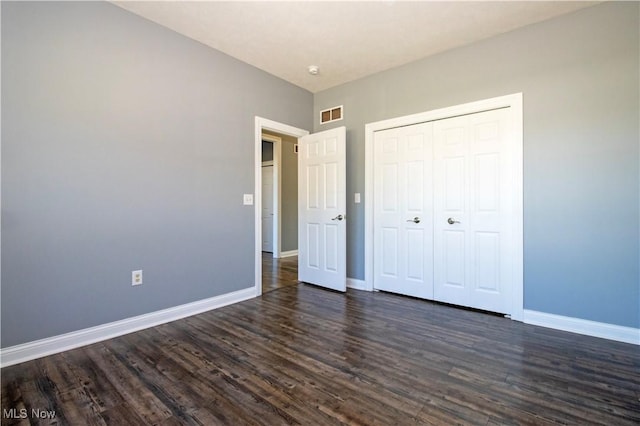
[
  {"x": 303, "y": 355},
  {"x": 278, "y": 273}
]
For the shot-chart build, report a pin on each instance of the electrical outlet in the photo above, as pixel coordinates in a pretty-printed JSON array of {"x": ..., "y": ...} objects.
[
  {"x": 247, "y": 199},
  {"x": 136, "y": 277}
]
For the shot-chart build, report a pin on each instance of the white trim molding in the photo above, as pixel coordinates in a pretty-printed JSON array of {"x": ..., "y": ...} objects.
[
  {"x": 357, "y": 284},
  {"x": 64, "y": 342},
  {"x": 289, "y": 253},
  {"x": 590, "y": 328}
]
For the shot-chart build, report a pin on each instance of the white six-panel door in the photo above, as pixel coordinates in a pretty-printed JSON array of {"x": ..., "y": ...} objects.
[
  {"x": 322, "y": 209},
  {"x": 403, "y": 241},
  {"x": 454, "y": 176},
  {"x": 473, "y": 220}
]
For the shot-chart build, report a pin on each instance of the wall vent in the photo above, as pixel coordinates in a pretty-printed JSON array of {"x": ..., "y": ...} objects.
[{"x": 331, "y": 114}]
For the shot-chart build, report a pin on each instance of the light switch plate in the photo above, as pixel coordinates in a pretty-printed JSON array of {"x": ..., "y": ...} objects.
[
  {"x": 356, "y": 197},
  {"x": 248, "y": 199}
]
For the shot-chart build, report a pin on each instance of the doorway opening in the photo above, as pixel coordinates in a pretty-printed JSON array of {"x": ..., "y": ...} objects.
[
  {"x": 276, "y": 257},
  {"x": 279, "y": 211},
  {"x": 271, "y": 196}
]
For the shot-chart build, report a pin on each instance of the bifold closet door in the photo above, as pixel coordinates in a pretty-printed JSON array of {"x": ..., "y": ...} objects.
[
  {"x": 443, "y": 210},
  {"x": 403, "y": 210},
  {"x": 472, "y": 211}
]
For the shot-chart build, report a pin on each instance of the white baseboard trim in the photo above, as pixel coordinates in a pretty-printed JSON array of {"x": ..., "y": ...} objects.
[
  {"x": 52, "y": 345},
  {"x": 581, "y": 326},
  {"x": 289, "y": 253},
  {"x": 356, "y": 284}
]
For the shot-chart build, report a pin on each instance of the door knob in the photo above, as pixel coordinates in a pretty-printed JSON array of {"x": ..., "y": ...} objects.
[
  {"x": 414, "y": 220},
  {"x": 451, "y": 221},
  {"x": 339, "y": 217}
]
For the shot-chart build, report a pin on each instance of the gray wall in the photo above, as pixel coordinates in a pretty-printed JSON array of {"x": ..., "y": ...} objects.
[
  {"x": 579, "y": 75},
  {"x": 124, "y": 146}
]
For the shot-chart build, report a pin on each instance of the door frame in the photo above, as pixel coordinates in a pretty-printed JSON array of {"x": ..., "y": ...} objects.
[
  {"x": 277, "y": 191},
  {"x": 514, "y": 103},
  {"x": 262, "y": 124}
]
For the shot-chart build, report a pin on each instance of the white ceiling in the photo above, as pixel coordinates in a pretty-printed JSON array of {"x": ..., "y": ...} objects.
[{"x": 346, "y": 39}]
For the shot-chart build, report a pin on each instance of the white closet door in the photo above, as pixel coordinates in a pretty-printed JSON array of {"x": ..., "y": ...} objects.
[
  {"x": 322, "y": 248},
  {"x": 473, "y": 220},
  {"x": 403, "y": 215}
]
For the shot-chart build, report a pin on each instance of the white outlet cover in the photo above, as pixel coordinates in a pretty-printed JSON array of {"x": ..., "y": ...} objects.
[
  {"x": 248, "y": 199},
  {"x": 136, "y": 277}
]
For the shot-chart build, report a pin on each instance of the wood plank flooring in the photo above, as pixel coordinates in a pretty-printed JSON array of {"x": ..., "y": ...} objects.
[
  {"x": 303, "y": 355},
  {"x": 278, "y": 273}
]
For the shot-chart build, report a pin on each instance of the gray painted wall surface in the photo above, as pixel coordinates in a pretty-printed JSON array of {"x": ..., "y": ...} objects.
[
  {"x": 124, "y": 146},
  {"x": 579, "y": 75}
]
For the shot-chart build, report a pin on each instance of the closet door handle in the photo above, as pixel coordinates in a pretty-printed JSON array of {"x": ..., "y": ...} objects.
[
  {"x": 339, "y": 217},
  {"x": 451, "y": 221},
  {"x": 414, "y": 220}
]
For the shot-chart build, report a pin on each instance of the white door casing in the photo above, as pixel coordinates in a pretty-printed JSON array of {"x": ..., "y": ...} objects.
[
  {"x": 322, "y": 209},
  {"x": 513, "y": 184},
  {"x": 267, "y": 208},
  {"x": 261, "y": 125},
  {"x": 403, "y": 241},
  {"x": 473, "y": 217}
]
